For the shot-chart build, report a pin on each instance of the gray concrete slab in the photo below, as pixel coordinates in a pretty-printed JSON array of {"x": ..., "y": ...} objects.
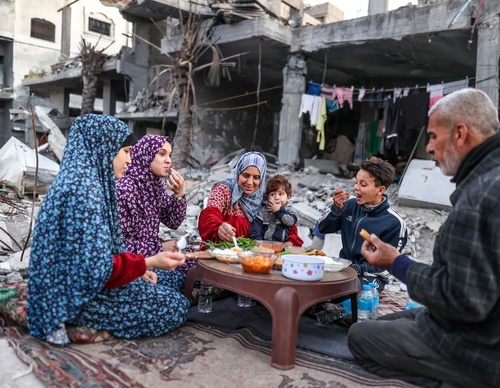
[
  {"x": 424, "y": 185},
  {"x": 307, "y": 215},
  {"x": 324, "y": 166}
]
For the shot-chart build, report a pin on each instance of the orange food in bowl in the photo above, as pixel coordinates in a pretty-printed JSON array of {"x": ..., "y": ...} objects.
[
  {"x": 277, "y": 246},
  {"x": 257, "y": 262}
]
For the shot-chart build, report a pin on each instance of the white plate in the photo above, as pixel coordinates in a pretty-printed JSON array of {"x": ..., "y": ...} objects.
[
  {"x": 225, "y": 255},
  {"x": 335, "y": 264}
]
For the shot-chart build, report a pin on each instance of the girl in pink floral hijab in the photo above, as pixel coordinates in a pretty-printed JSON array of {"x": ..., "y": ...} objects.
[{"x": 143, "y": 199}]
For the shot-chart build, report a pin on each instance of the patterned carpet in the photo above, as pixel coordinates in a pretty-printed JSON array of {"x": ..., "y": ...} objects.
[
  {"x": 195, "y": 355},
  {"x": 391, "y": 302}
]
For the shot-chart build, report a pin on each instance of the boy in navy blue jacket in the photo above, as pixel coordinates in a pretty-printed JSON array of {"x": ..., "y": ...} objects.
[{"x": 369, "y": 210}]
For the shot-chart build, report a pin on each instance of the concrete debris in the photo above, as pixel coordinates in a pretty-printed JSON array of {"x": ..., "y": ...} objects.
[
  {"x": 18, "y": 115},
  {"x": 5, "y": 268},
  {"x": 56, "y": 139},
  {"x": 72, "y": 63},
  {"x": 18, "y": 168},
  {"x": 155, "y": 102},
  {"x": 433, "y": 226},
  {"x": 228, "y": 162},
  {"x": 324, "y": 166}
]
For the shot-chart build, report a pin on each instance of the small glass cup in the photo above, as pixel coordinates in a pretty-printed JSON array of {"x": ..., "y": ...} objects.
[
  {"x": 205, "y": 298},
  {"x": 245, "y": 301},
  {"x": 331, "y": 314}
]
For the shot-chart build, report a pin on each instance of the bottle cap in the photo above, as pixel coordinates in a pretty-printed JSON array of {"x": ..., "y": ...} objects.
[{"x": 366, "y": 287}]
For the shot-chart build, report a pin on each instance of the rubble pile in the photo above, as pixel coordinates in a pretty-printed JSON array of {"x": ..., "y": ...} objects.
[{"x": 311, "y": 197}]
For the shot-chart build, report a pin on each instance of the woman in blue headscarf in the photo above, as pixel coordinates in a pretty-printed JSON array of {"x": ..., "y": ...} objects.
[
  {"x": 234, "y": 202},
  {"x": 80, "y": 272}
]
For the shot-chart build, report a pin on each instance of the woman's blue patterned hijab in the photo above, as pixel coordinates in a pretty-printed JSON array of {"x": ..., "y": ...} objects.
[
  {"x": 77, "y": 230},
  {"x": 249, "y": 203}
]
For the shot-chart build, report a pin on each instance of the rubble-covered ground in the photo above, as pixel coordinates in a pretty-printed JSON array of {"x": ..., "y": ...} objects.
[{"x": 311, "y": 196}]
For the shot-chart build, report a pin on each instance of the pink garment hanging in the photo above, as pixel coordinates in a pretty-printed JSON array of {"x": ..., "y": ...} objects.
[
  {"x": 436, "y": 93},
  {"x": 344, "y": 94}
]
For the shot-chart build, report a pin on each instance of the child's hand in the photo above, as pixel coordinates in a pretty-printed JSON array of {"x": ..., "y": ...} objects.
[{"x": 273, "y": 207}]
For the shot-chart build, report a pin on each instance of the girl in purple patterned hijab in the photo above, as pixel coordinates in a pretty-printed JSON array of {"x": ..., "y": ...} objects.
[{"x": 143, "y": 200}]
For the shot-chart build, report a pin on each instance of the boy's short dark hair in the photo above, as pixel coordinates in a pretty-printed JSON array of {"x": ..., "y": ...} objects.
[
  {"x": 381, "y": 170},
  {"x": 278, "y": 181}
]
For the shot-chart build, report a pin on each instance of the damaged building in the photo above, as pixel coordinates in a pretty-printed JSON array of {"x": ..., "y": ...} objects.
[
  {"x": 292, "y": 80},
  {"x": 38, "y": 42}
]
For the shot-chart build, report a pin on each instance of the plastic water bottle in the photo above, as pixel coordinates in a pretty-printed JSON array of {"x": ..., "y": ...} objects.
[
  {"x": 365, "y": 304},
  {"x": 411, "y": 304},
  {"x": 376, "y": 300}
]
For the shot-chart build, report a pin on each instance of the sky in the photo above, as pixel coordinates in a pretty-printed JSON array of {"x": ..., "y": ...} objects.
[{"x": 358, "y": 8}]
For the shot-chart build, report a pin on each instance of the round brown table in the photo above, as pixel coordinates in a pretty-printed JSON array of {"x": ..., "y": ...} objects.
[{"x": 286, "y": 299}]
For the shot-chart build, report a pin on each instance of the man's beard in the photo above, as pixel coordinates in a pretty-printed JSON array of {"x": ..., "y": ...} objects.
[{"x": 451, "y": 161}]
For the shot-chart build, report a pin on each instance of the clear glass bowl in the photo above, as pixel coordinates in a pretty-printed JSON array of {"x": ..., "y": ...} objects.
[
  {"x": 277, "y": 246},
  {"x": 257, "y": 262}
]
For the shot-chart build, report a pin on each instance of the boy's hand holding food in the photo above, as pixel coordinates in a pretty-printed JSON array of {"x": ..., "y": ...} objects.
[{"x": 339, "y": 197}]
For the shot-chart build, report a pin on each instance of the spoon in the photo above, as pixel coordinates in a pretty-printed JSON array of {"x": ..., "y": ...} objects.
[
  {"x": 235, "y": 243},
  {"x": 181, "y": 244}
]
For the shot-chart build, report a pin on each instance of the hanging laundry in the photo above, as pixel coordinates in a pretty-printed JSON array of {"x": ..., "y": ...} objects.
[
  {"x": 414, "y": 117},
  {"x": 397, "y": 93},
  {"x": 332, "y": 105},
  {"x": 347, "y": 121},
  {"x": 320, "y": 125},
  {"x": 306, "y": 104},
  {"x": 377, "y": 98},
  {"x": 327, "y": 93},
  {"x": 450, "y": 87},
  {"x": 436, "y": 92},
  {"x": 344, "y": 94},
  {"x": 361, "y": 95},
  {"x": 374, "y": 139},
  {"x": 414, "y": 110},
  {"x": 360, "y": 148},
  {"x": 310, "y": 104},
  {"x": 314, "y": 89}
]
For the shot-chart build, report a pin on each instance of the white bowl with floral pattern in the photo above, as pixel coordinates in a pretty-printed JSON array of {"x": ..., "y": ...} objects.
[{"x": 303, "y": 267}]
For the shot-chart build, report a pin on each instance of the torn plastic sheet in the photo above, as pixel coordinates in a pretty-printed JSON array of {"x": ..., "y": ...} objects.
[{"x": 18, "y": 168}]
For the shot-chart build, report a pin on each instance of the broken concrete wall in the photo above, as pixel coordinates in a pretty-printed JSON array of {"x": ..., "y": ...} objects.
[
  {"x": 141, "y": 65},
  {"x": 232, "y": 117},
  {"x": 7, "y": 23}
]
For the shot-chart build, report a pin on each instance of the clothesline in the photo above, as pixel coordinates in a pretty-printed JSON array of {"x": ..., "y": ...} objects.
[
  {"x": 321, "y": 100},
  {"x": 364, "y": 90}
]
